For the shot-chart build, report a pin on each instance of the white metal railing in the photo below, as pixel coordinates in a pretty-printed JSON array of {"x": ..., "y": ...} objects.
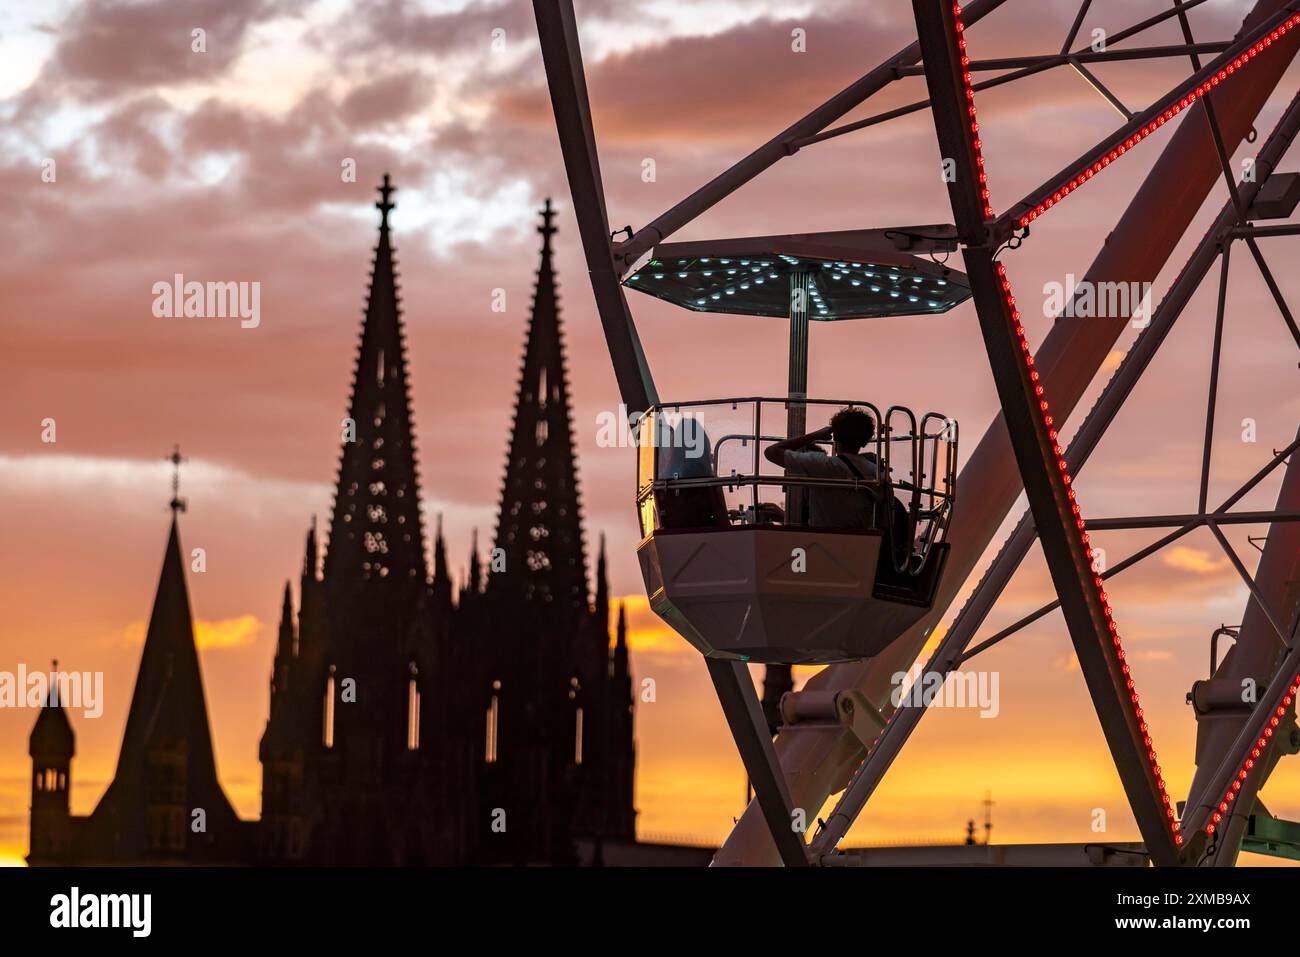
[{"x": 718, "y": 445}]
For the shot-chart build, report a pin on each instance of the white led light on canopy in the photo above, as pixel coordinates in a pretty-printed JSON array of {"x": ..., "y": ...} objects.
[{"x": 856, "y": 274}]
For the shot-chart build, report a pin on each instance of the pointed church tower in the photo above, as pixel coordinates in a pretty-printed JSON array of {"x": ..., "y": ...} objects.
[
  {"x": 285, "y": 648},
  {"x": 539, "y": 529},
  {"x": 545, "y": 656},
  {"x": 351, "y": 771},
  {"x": 619, "y": 667},
  {"x": 293, "y": 725},
  {"x": 51, "y": 747},
  {"x": 166, "y": 772},
  {"x": 471, "y": 586},
  {"x": 311, "y": 601},
  {"x": 377, "y": 593},
  {"x": 415, "y": 717},
  {"x": 168, "y": 702},
  {"x": 441, "y": 573},
  {"x": 376, "y": 532},
  {"x": 621, "y": 737},
  {"x": 600, "y": 607}
]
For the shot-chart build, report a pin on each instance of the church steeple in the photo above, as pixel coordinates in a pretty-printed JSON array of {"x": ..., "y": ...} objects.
[
  {"x": 376, "y": 532},
  {"x": 474, "y": 579},
  {"x": 307, "y": 637},
  {"x": 410, "y": 714},
  {"x": 311, "y": 554},
  {"x": 601, "y": 605},
  {"x": 286, "y": 643},
  {"x": 441, "y": 574},
  {"x": 52, "y": 742},
  {"x": 167, "y": 738},
  {"x": 285, "y": 648},
  {"x": 51, "y": 747},
  {"x": 168, "y": 701},
  {"x": 539, "y": 529},
  {"x": 620, "y": 661}
]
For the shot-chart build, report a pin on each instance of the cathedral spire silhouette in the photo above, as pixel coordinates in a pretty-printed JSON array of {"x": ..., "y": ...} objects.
[
  {"x": 311, "y": 554},
  {"x": 620, "y": 642},
  {"x": 376, "y": 532},
  {"x": 52, "y": 741},
  {"x": 52, "y": 734},
  {"x": 539, "y": 528},
  {"x": 441, "y": 573},
  {"x": 400, "y": 717},
  {"x": 473, "y": 585},
  {"x": 51, "y": 747},
  {"x": 167, "y": 730},
  {"x": 168, "y": 699},
  {"x": 601, "y": 602},
  {"x": 286, "y": 644}
]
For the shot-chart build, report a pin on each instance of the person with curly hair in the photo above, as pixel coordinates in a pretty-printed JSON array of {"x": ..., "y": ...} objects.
[{"x": 850, "y": 429}]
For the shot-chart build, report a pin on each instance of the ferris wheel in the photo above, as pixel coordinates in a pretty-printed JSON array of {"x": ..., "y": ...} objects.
[{"x": 808, "y": 529}]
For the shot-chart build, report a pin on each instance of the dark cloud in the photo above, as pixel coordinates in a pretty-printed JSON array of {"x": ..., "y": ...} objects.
[
  {"x": 87, "y": 250},
  {"x": 130, "y": 136},
  {"x": 391, "y": 25},
  {"x": 747, "y": 81},
  {"x": 386, "y": 100},
  {"x": 109, "y": 47}
]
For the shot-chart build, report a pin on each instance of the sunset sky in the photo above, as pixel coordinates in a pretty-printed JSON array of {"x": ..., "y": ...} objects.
[{"x": 225, "y": 165}]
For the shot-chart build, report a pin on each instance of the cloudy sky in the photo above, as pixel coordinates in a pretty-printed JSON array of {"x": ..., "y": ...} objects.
[{"x": 226, "y": 164}]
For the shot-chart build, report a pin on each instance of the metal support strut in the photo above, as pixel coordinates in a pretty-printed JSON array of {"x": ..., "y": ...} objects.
[
  {"x": 744, "y": 716},
  {"x": 1033, "y": 438}
]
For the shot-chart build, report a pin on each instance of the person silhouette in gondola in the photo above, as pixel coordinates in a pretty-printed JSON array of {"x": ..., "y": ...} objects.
[{"x": 841, "y": 508}]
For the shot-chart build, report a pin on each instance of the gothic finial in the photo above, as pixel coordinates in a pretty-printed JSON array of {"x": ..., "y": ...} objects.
[
  {"x": 547, "y": 229},
  {"x": 602, "y": 585},
  {"x": 310, "y": 556},
  {"x": 177, "y": 503},
  {"x": 384, "y": 205}
]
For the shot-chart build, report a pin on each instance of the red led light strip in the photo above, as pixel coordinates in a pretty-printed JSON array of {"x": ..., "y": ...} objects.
[
  {"x": 1105, "y": 159},
  {"x": 1083, "y": 536},
  {"x": 1231, "y": 794},
  {"x": 1045, "y": 409},
  {"x": 970, "y": 111}
]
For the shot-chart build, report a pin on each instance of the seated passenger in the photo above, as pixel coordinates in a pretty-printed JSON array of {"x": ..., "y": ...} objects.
[
  {"x": 850, "y": 430},
  {"x": 686, "y": 453}
]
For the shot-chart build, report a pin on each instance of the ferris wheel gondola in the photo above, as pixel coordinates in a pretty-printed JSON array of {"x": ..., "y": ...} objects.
[{"x": 730, "y": 556}]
